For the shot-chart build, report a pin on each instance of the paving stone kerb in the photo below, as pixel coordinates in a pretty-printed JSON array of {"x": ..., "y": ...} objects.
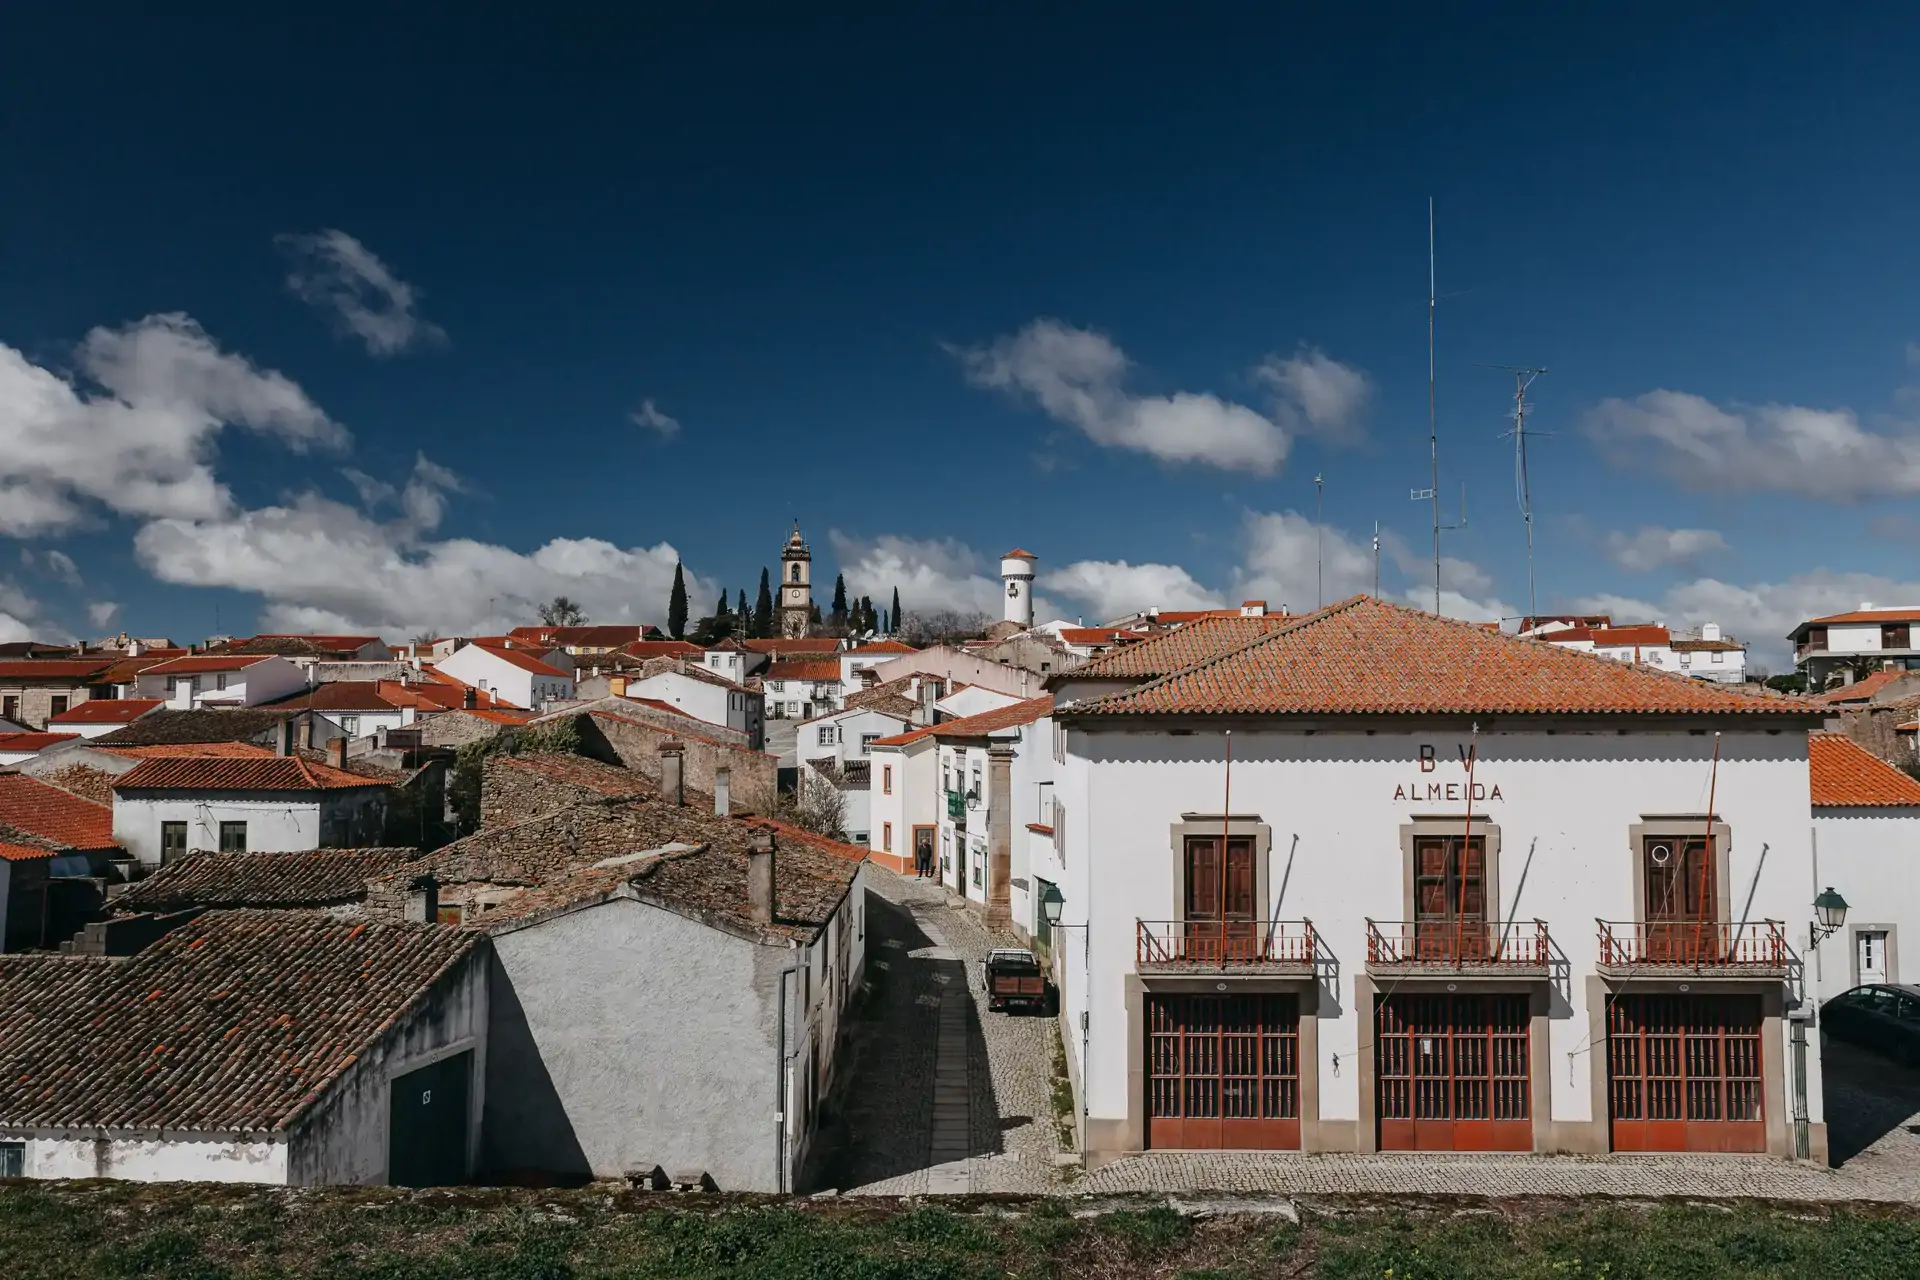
[{"x": 895, "y": 1094}]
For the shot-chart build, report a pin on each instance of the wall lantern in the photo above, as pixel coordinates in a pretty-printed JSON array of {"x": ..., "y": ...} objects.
[
  {"x": 1051, "y": 905},
  {"x": 1830, "y": 913}
]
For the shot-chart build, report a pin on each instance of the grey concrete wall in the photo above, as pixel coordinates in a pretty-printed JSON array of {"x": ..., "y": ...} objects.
[
  {"x": 344, "y": 1138},
  {"x": 624, "y": 1036},
  {"x": 353, "y": 818}
]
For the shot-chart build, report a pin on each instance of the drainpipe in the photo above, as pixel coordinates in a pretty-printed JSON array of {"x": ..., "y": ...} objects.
[
  {"x": 780, "y": 1088},
  {"x": 1802, "y": 1130}
]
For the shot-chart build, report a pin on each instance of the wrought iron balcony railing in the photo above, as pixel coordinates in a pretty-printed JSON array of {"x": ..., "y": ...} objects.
[
  {"x": 1495, "y": 945},
  {"x": 1225, "y": 944},
  {"x": 1759, "y": 946}
]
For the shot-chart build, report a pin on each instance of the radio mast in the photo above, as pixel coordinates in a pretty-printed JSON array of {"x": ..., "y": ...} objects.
[
  {"x": 1432, "y": 494},
  {"x": 1522, "y": 491}
]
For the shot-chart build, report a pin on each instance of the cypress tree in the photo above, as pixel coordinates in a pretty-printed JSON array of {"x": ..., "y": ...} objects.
[
  {"x": 742, "y": 614},
  {"x": 839, "y": 598},
  {"x": 762, "y": 610},
  {"x": 720, "y": 610},
  {"x": 677, "y": 605},
  {"x": 895, "y": 624}
]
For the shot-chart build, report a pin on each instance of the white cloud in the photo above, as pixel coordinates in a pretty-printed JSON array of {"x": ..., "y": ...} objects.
[
  {"x": 133, "y": 430},
  {"x": 650, "y": 417},
  {"x": 337, "y": 274},
  {"x": 21, "y": 618},
  {"x": 1763, "y": 613},
  {"x": 1653, "y": 547},
  {"x": 1281, "y": 554},
  {"x": 1816, "y": 453},
  {"x": 1075, "y": 376},
  {"x": 932, "y": 574},
  {"x": 323, "y": 565},
  {"x": 101, "y": 612},
  {"x": 1318, "y": 394},
  {"x": 61, "y": 566},
  {"x": 1110, "y": 589}
]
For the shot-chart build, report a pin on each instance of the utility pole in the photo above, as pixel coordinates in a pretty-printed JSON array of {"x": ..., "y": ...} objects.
[
  {"x": 1522, "y": 379},
  {"x": 1432, "y": 493},
  {"x": 1319, "y": 543}
]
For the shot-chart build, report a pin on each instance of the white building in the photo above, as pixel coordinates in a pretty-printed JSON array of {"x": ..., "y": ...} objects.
[
  {"x": 99, "y": 716},
  {"x": 995, "y": 771},
  {"x": 704, "y": 695},
  {"x": 1866, "y": 833},
  {"x": 1016, "y": 573},
  {"x": 18, "y": 748},
  {"x": 166, "y": 807},
  {"x": 1842, "y": 646},
  {"x": 801, "y": 688},
  {"x": 510, "y": 673},
  {"x": 1303, "y": 886},
  {"x": 843, "y": 742},
  {"x": 1710, "y": 655},
  {"x": 220, "y": 680}
]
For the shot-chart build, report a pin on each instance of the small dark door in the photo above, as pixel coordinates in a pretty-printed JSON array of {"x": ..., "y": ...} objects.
[
  {"x": 1223, "y": 1071},
  {"x": 923, "y": 847},
  {"x": 1682, "y": 901},
  {"x": 1221, "y": 908},
  {"x": 1449, "y": 898},
  {"x": 1684, "y": 1073},
  {"x": 1453, "y": 1072},
  {"x": 427, "y": 1125}
]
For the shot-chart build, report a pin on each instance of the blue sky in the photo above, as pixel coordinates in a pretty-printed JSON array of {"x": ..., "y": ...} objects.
[{"x": 405, "y": 322}]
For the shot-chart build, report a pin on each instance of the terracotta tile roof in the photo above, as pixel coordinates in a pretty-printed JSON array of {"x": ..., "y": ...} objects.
[
  {"x": 604, "y": 779},
  {"x": 803, "y": 669},
  {"x": 521, "y": 659},
  {"x": 203, "y": 724},
  {"x": 58, "y": 670},
  {"x": 1018, "y": 554},
  {"x": 602, "y": 636},
  {"x": 1708, "y": 646},
  {"x": 1861, "y": 690},
  {"x": 693, "y": 671},
  {"x": 1845, "y": 774},
  {"x": 500, "y": 715},
  {"x": 812, "y": 644},
  {"x": 124, "y": 670},
  {"x": 1095, "y": 635},
  {"x": 287, "y": 646},
  {"x": 32, "y": 741},
  {"x": 24, "y": 852},
  {"x": 176, "y": 750},
  {"x": 234, "y": 1022},
  {"x": 207, "y": 662},
  {"x": 107, "y": 711},
  {"x": 1169, "y": 651},
  {"x": 986, "y": 722},
  {"x": 663, "y": 649},
  {"x": 30, "y": 805},
  {"x": 1183, "y": 616},
  {"x": 1866, "y": 615},
  {"x": 81, "y": 780},
  {"x": 264, "y": 773},
  {"x": 897, "y": 705},
  {"x": 1366, "y": 656},
  {"x": 311, "y": 878},
  {"x": 1620, "y": 637},
  {"x": 886, "y": 646},
  {"x": 905, "y": 739},
  {"x": 448, "y": 692}
]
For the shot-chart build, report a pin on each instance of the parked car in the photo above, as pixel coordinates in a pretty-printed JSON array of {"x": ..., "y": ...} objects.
[
  {"x": 1883, "y": 1017},
  {"x": 1014, "y": 978}
]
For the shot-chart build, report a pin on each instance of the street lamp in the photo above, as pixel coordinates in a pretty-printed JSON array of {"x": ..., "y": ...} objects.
[
  {"x": 1052, "y": 906},
  {"x": 1830, "y": 913}
]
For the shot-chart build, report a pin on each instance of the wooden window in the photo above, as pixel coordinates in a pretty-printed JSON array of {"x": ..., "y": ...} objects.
[
  {"x": 59, "y": 705},
  {"x": 886, "y": 779},
  {"x": 10, "y": 708},
  {"x": 1450, "y": 897},
  {"x": 1220, "y": 896},
  {"x": 173, "y": 840},
  {"x": 233, "y": 837},
  {"x": 1894, "y": 635},
  {"x": 13, "y": 1159},
  {"x": 1680, "y": 907},
  {"x": 886, "y": 837}
]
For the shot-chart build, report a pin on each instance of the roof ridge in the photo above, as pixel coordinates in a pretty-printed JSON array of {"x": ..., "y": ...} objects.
[{"x": 1285, "y": 629}]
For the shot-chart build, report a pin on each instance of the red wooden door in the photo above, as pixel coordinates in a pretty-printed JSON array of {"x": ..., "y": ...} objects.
[
  {"x": 1453, "y": 1073},
  {"x": 1685, "y": 1073},
  {"x": 1449, "y": 899},
  {"x": 1682, "y": 907},
  {"x": 1223, "y": 1071},
  {"x": 1220, "y": 904}
]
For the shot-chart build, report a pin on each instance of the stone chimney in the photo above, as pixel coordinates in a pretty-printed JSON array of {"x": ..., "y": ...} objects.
[
  {"x": 672, "y": 772},
  {"x": 760, "y": 877},
  {"x": 337, "y": 751},
  {"x": 469, "y": 699},
  {"x": 723, "y": 792},
  {"x": 423, "y": 901}
]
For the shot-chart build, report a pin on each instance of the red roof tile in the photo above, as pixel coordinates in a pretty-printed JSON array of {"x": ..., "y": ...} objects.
[
  {"x": 521, "y": 659},
  {"x": 887, "y": 646},
  {"x": 29, "y": 805},
  {"x": 173, "y": 750},
  {"x": 1366, "y": 656},
  {"x": 592, "y": 636},
  {"x": 1845, "y": 774},
  {"x": 23, "y": 852},
  {"x": 1860, "y": 690},
  {"x": 813, "y": 644},
  {"x": 664, "y": 649},
  {"x": 207, "y": 662},
  {"x": 1621, "y": 637},
  {"x": 1867, "y": 615},
  {"x": 30, "y": 670},
  {"x": 1095, "y": 635},
  {"x": 803, "y": 669},
  {"x": 346, "y": 695},
  {"x": 1018, "y": 554},
  {"x": 1167, "y": 651},
  {"x": 986, "y": 722},
  {"x": 33, "y": 741},
  {"x": 266, "y": 773},
  {"x": 107, "y": 711}
]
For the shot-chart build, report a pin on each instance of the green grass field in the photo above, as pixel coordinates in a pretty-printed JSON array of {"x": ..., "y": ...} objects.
[{"x": 79, "y": 1230}]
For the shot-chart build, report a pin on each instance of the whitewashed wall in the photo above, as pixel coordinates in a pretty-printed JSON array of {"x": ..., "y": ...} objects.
[
  {"x": 1336, "y": 802},
  {"x": 1872, "y": 858},
  {"x": 58, "y": 1153},
  {"x": 275, "y": 823}
]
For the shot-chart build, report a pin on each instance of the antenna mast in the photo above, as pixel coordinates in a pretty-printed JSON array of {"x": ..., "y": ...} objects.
[
  {"x": 1522, "y": 379},
  {"x": 1319, "y": 543},
  {"x": 1432, "y": 494}
]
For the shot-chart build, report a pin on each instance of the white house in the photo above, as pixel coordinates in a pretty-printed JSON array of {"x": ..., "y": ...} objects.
[
  {"x": 1866, "y": 834},
  {"x": 1710, "y": 655},
  {"x": 306, "y": 650},
  {"x": 1844, "y": 645},
  {"x": 362, "y": 708},
  {"x": 18, "y": 748},
  {"x": 169, "y": 806},
  {"x": 995, "y": 778},
  {"x": 99, "y": 716},
  {"x": 843, "y": 742},
  {"x": 1300, "y": 888},
  {"x": 801, "y": 688},
  {"x": 732, "y": 659},
  {"x": 220, "y": 680},
  {"x": 702, "y": 694},
  {"x": 906, "y": 799},
  {"x": 510, "y": 673}
]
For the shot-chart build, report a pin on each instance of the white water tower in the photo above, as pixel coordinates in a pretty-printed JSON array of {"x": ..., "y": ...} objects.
[{"x": 1016, "y": 570}]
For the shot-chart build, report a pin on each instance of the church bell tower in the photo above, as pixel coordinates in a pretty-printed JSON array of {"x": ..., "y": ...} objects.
[{"x": 796, "y": 587}]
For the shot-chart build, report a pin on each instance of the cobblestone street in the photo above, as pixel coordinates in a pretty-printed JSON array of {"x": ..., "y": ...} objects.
[{"x": 946, "y": 1098}]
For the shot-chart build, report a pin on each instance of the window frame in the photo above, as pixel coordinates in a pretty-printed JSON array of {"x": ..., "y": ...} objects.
[
  {"x": 228, "y": 828},
  {"x": 13, "y": 1158},
  {"x": 181, "y": 847}
]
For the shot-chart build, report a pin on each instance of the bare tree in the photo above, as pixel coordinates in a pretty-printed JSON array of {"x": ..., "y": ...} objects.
[
  {"x": 942, "y": 627},
  {"x": 562, "y": 612},
  {"x": 815, "y": 805}
]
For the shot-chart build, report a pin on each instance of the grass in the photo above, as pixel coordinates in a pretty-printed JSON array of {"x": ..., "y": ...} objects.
[{"x": 110, "y": 1231}]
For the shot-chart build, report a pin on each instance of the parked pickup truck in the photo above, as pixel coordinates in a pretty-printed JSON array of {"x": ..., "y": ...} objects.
[{"x": 1014, "y": 977}]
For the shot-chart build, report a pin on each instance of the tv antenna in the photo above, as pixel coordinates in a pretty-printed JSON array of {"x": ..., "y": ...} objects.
[
  {"x": 1319, "y": 543},
  {"x": 1432, "y": 494},
  {"x": 1523, "y": 377}
]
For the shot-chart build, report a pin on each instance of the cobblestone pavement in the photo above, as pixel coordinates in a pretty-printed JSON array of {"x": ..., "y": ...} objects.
[
  {"x": 941, "y": 1095},
  {"x": 927, "y": 1054}
]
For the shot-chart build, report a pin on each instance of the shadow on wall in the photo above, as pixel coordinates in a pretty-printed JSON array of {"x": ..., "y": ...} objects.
[
  {"x": 1867, "y": 1097},
  {"x": 526, "y": 1137}
]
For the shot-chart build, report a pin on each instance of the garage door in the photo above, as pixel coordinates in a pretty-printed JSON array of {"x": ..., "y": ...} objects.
[
  {"x": 427, "y": 1124},
  {"x": 1223, "y": 1071},
  {"x": 1685, "y": 1073},
  {"x": 1453, "y": 1073}
]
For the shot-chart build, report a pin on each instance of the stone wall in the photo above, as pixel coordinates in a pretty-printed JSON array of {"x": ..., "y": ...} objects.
[
  {"x": 455, "y": 729},
  {"x": 510, "y": 793},
  {"x": 36, "y": 701},
  {"x": 753, "y": 775}
]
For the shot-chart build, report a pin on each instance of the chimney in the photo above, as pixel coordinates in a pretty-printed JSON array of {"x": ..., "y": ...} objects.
[
  {"x": 1710, "y": 631},
  {"x": 337, "y": 751},
  {"x": 135, "y": 648},
  {"x": 760, "y": 877},
  {"x": 423, "y": 901},
  {"x": 468, "y": 699},
  {"x": 723, "y": 792},
  {"x": 1253, "y": 609},
  {"x": 672, "y": 760},
  {"x": 306, "y": 732},
  {"x": 283, "y": 738},
  {"x": 618, "y": 686}
]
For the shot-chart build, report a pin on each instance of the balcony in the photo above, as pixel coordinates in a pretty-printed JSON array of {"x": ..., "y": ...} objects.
[
  {"x": 1240, "y": 946},
  {"x": 957, "y": 807},
  {"x": 1697, "y": 948},
  {"x": 1489, "y": 948}
]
